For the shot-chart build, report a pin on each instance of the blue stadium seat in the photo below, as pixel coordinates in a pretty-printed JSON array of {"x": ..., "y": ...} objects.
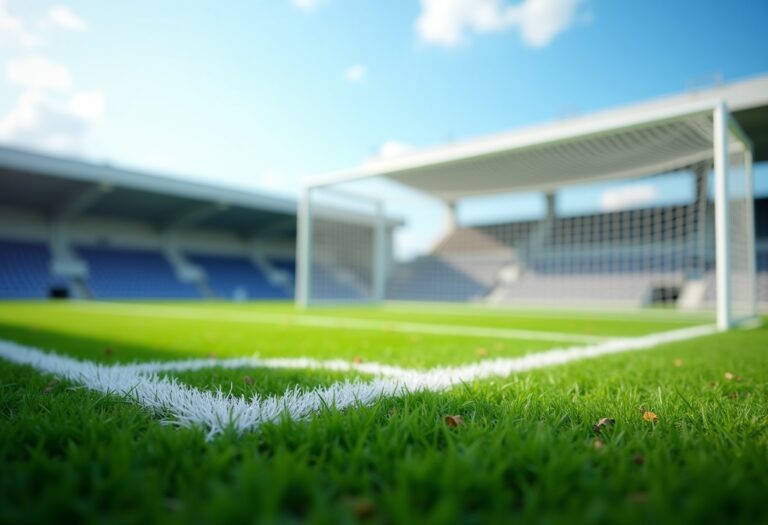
[
  {"x": 232, "y": 277},
  {"x": 121, "y": 273},
  {"x": 430, "y": 278},
  {"x": 762, "y": 261},
  {"x": 325, "y": 284},
  {"x": 24, "y": 269},
  {"x": 286, "y": 265}
]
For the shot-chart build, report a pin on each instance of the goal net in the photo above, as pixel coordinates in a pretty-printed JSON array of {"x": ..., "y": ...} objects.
[
  {"x": 344, "y": 247},
  {"x": 651, "y": 212}
]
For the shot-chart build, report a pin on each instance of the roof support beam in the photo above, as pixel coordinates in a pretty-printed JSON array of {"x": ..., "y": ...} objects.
[
  {"x": 276, "y": 229},
  {"x": 185, "y": 270},
  {"x": 72, "y": 208},
  {"x": 65, "y": 263},
  {"x": 194, "y": 216},
  {"x": 80, "y": 202}
]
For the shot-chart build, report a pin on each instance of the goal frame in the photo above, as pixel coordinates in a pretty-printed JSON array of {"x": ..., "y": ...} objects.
[{"x": 728, "y": 138}]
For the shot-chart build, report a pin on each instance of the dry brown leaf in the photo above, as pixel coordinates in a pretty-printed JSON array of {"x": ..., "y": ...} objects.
[
  {"x": 361, "y": 506},
  {"x": 454, "y": 421},
  {"x": 603, "y": 423},
  {"x": 481, "y": 352},
  {"x": 651, "y": 417},
  {"x": 732, "y": 377},
  {"x": 50, "y": 386},
  {"x": 248, "y": 380},
  {"x": 678, "y": 362}
]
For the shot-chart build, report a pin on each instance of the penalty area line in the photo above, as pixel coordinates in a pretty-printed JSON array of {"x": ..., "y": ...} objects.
[{"x": 216, "y": 412}]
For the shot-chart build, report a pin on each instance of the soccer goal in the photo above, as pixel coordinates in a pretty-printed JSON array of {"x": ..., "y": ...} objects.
[{"x": 631, "y": 209}]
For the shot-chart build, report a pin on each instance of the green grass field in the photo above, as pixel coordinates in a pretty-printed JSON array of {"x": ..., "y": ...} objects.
[{"x": 525, "y": 452}]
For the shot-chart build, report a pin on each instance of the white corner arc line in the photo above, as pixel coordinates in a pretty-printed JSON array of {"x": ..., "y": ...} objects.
[{"x": 216, "y": 411}]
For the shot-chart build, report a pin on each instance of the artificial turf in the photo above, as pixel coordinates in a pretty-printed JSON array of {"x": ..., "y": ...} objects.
[{"x": 526, "y": 451}]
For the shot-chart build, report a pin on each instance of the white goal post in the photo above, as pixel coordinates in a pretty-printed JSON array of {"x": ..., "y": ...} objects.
[{"x": 671, "y": 223}]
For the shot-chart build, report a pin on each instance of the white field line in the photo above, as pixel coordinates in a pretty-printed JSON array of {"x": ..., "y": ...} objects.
[
  {"x": 216, "y": 412},
  {"x": 346, "y": 323},
  {"x": 633, "y": 315}
]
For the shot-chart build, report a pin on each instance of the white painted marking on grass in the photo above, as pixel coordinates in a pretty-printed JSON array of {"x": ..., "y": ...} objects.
[
  {"x": 216, "y": 411},
  {"x": 186, "y": 406},
  {"x": 345, "y": 323},
  {"x": 630, "y": 314},
  {"x": 438, "y": 377}
]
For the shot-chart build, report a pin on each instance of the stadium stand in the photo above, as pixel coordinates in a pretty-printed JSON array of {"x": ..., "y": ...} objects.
[
  {"x": 118, "y": 273},
  {"x": 531, "y": 261},
  {"x": 24, "y": 269},
  {"x": 235, "y": 277},
  {"x": 287, "y": 266},
  {"x": 84, "y": 230},
  {"x": 425, "y": 278},
  {"x": 332, "y": 284}
]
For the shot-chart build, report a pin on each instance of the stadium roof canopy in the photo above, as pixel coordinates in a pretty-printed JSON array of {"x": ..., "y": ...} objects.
[
  {"x": 53, "y": 185},
  {"x": 632, "y": 141}
]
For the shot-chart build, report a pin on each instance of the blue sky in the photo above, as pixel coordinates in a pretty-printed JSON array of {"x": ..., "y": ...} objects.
[{"x": 267, "y": 93}]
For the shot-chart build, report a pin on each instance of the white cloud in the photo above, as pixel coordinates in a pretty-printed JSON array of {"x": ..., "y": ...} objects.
[
  {"x": 44, "y": 122},
  {"x": 63, "y": 17},
  {"x": 448, "y": 22},
  {"x": 628, "y": 197},
  {"x": 306, "y": 5},
  {"x": 391, "y": 149},
  {"x": 14, "y": 28},
  {"x": 49, "y": 114},
  {"x": 88, "y": 105},
  {"x": 38, "y": 72},
  {"x": 355, "y": 73}
]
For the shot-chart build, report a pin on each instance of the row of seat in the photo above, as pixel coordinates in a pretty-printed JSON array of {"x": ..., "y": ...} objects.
[
  {"x": 24, "y": 269},
  {"x": 437, "y": 278},
  {"x": 119, "y": 273},
  {"x": 237, "y": 278},
  {"x": 135, "y": 274}
]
